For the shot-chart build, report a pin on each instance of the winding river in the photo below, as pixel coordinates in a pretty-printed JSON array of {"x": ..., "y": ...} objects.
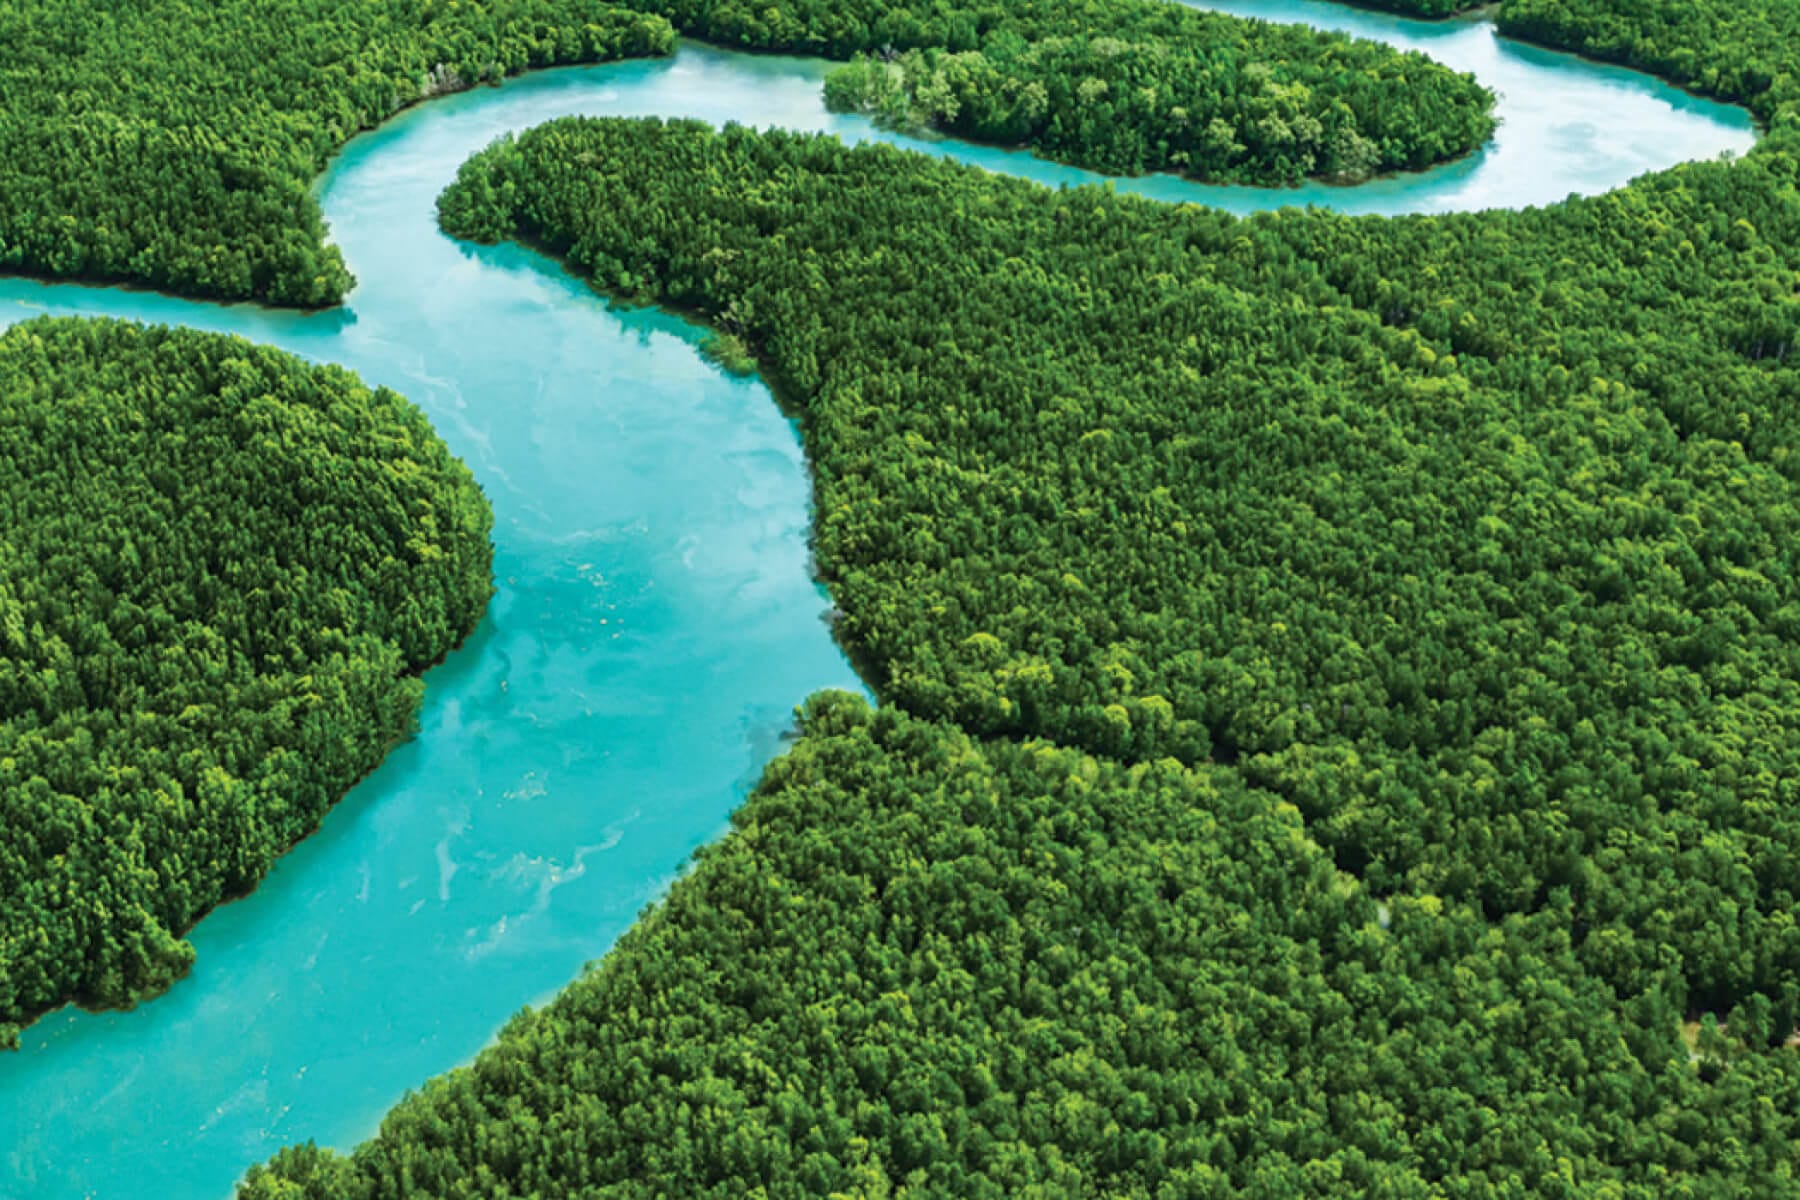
[{"x": 654, "y": 627}]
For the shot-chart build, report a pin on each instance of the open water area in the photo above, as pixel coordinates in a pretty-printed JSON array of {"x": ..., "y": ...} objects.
[{"x": 655, "y": 625}]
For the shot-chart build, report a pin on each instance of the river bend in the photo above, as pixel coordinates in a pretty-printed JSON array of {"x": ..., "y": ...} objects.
[{"x": 655, "y": 622}]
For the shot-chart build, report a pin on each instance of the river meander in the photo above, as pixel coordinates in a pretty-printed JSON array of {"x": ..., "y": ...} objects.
[{"x": 654, "y": 627}]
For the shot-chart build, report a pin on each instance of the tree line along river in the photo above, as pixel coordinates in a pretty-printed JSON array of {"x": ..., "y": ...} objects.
[{"x": 654, "y": 626}]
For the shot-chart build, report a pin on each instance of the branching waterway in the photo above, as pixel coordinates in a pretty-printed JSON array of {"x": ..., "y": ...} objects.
[{"x": 655, "y": 623}]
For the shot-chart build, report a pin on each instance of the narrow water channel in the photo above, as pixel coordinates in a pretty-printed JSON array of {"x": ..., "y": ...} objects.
[{"x": 654, "y": 627}]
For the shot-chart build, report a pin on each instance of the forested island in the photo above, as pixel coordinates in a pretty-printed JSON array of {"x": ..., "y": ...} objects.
[
  {"x": 221, "y": 574},
  {"x": 1339, "y": 682},
  {"x": 1339, "y": 678},
  {"x": 1186, "y": 99},
  {"x": 175, "y": 146}
]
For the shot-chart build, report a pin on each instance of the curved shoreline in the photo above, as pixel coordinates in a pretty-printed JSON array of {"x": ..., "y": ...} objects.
[
  {"x": 391, "y": 301},
  {"x": 1486, "y": 15},
  {"x": 1372, "y": 195}
]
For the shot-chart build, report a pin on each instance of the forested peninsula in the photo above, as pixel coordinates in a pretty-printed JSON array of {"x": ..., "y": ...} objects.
[
  {"x": 1743, "y": 53},
  {"x": 925, "y": 965},
  {"x": 222, "y": 573},
  {"x": 1340, "y": 691},
  {"x": 175, "y": 146}
]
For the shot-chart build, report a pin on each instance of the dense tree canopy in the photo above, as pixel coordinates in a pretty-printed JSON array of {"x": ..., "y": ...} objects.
[
  {"x": 175, "y": 144},
  {"x": 1458, "y": 548},
  {"x": 1342, "y": 676},
  {"x": 1423, "y": 8},
  {"x": 221, "y": 573},
  {"x": 1123, "y": 85},
  {"x": 927, "y": 966},
  {"x": 1189, "y": 102},
  {"x": 1439, "y": 527},
  {"x": 1743, "y": 52},
  {"x": 1736, "y": 51}
]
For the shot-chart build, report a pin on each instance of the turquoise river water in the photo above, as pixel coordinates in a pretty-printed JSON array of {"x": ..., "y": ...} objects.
[{"x": 655, "y": 624}]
